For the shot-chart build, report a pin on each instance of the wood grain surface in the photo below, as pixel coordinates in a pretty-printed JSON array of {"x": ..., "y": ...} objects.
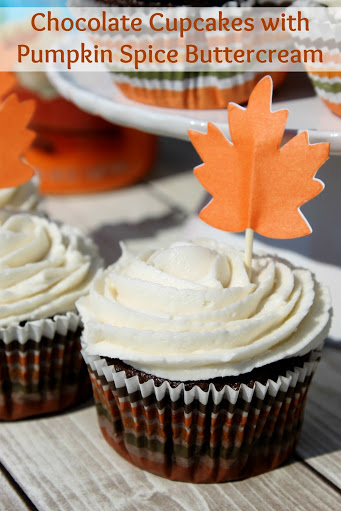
[
  {"x": 62, "y": 462},
  {"x": 11, "y": 496},
  {"x": 320, "y": 443}
]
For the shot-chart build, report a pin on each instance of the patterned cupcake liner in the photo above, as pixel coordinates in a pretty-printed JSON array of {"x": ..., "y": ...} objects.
[
  {"x": 201, "y": 436},
  {"x": 324, "y": 34},
  {"x": 179, "y": 88},
  {"x": 41, "y": 367},
  {"x": 328, "y": 87},
  {"x": 191, "y": 90}
]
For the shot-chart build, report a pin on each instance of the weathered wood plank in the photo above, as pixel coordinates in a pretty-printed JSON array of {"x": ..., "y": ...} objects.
[
  {"x": 62, "y": 462},
  {"x": 126, "y": 206},
  {"x": 182, "y": 191},
  {"x": 320, "y": 443},
  {"x": 10, "y": 500},
  {"x": 121, "y": 215}
]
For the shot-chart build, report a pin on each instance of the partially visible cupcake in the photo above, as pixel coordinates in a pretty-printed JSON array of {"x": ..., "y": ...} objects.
[
  {"x": 76, "y": 152},
  {"x": 44, "y": 269},
  {"x": 177, "y": 88},
  {"x": 191, "y": 90},
  {"x": 324, "y": 34},
  {"x": 199, "y": 373},
  {"x": 24, "y": 197}
]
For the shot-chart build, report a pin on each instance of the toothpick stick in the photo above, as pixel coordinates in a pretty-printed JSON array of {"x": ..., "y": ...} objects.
[{"x": 249, "y": 234}]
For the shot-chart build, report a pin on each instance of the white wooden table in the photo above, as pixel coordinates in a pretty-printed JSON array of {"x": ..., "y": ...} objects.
[{"x": 62, "y": 462}]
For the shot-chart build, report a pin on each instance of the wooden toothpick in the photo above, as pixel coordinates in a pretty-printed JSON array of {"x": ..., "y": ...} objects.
[{"x": 249, "y": 235}]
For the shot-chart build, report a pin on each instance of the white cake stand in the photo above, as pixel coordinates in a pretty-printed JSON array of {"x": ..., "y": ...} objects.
[{"x": 96, "y": 94}]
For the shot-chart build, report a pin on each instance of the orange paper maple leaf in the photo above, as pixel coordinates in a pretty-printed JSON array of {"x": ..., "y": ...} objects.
[
  {"x": 254, "y": 183},
  {"x": 15, "y": 139}
]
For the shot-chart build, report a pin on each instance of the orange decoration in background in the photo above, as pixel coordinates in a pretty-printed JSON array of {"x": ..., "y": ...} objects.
[
  {"x": 255, "y": 184},
  {"x": 7, "y": 82},
  {"x": 15, "y": 139}
]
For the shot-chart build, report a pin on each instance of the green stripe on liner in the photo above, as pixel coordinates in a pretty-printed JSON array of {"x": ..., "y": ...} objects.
[{"x": 334, "y": 88}]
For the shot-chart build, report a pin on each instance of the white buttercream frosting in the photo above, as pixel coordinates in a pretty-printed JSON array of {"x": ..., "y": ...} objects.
[
  {"x": 190, "y": 312},
  {"x": 44, "y": 268},
  {"x": 24, "y": 197}
]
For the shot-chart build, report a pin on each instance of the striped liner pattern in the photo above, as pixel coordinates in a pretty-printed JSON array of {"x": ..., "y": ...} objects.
[
  {"x": 42, "y": 377},
  {"x": 328, "y": 87},
  {"x": 198, "y": 436},
  {"x": 192, "y": 90},
  {"x": 186, "y": 89},
  {"x": 324, "y": 34}
]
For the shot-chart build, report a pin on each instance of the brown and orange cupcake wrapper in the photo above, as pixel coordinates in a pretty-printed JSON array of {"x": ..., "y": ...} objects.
[
  {"x": 41, "y": 367},
  {"x": 201, "y": 436},
  {"x": 190, "y": 90}
]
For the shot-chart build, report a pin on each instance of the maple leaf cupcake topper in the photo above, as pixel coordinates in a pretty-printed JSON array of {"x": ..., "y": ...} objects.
[
  {"x": 255, "y": 184},
  {"x": 15, "y": 138}
]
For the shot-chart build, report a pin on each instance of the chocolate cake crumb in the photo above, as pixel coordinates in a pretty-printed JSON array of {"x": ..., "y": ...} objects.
[{"x": 260, "y": 374}]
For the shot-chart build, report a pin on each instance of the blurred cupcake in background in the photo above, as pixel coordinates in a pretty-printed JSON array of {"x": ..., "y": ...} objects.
[
  {"x": 176, "y": 88},
  {"x": 191, "y": 90},
  {"x": 74, "y": 151},
  {"x": 324, "y": 34}
]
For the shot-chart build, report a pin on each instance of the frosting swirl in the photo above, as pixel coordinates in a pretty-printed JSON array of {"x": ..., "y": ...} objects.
[
  {"x": 190, "y": 312},
  {"x": 44, "y": 268},
  {"x": 24, "y": 197}
]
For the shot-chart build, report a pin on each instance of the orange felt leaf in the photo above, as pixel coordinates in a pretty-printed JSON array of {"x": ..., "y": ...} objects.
[
  {"x": 15, "y": 139},
  {"x": 255, "y": 183}
]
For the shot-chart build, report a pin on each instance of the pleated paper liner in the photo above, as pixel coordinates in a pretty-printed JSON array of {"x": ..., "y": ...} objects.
[
  {"x": 328, "y": 86},
  {"x": 41, "y": 367},
  {"x": 179, "y": 88},
  {"x": 191, "y": 90},
  {"x": 325, "y": 34},
  {"x": 201, "y": 436}
]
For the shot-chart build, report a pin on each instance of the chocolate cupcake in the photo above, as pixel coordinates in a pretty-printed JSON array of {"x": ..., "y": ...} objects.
[
  {"x": 199, "y": 373},
  {"x": 44, "y": 269}
]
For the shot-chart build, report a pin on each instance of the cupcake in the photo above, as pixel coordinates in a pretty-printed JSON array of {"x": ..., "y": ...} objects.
[
  {"x": 324, "y": 33},
  {"x": 178, "y": 88},
  {"x": 24, "y": 197},
  {"x": 80, "y": 153},
  {"x": 191, "y": 90},
  {"x": 199, "y": 373},
  {"x": 74, "y": 152},
  {"x": 44, "y": 269}
]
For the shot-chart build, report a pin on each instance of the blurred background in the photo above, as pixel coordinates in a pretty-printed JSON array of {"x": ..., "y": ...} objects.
[{"x": 121, "y": 183}]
